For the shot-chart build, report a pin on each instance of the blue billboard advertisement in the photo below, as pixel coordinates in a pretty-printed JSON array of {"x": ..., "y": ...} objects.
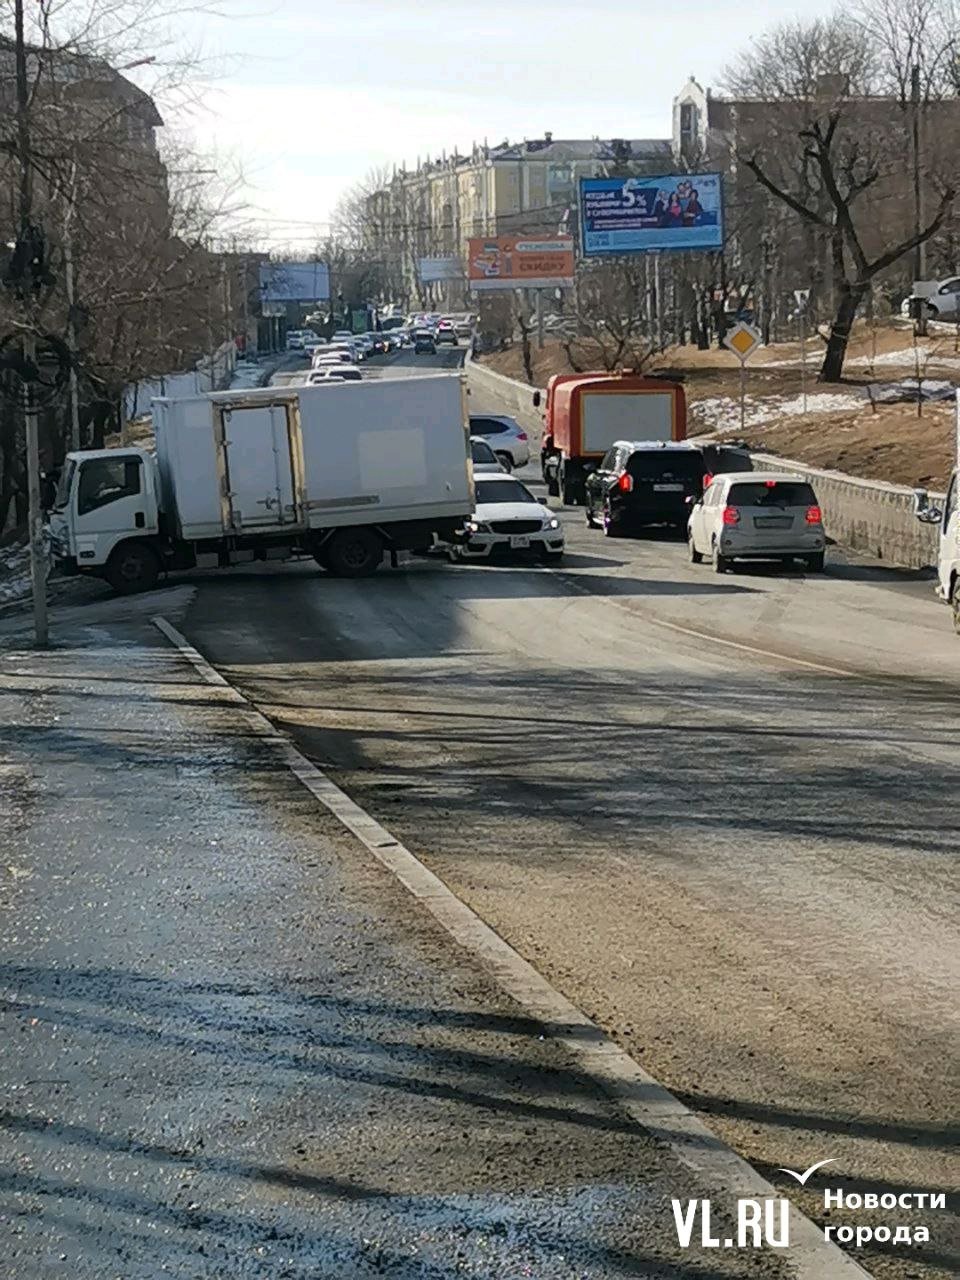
[{"x": 648, "y": 215}]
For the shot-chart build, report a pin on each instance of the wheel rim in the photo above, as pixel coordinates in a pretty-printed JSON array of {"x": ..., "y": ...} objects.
[
  {"x": 354, "y": 555},
  {"x": 131, "y": 567}
]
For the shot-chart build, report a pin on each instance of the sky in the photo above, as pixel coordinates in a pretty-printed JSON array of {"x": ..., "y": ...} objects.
[{"x": 311, "y": 96}]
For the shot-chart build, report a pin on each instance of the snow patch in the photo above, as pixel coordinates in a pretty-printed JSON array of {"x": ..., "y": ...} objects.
[
  {"x": 14, "y": 574},
  {"x": 722, "y": 413}
]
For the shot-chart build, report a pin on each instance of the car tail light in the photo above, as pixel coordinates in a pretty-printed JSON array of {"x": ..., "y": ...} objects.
[
  {"x": 731, "y": 515},
  {"x": 707, "y": 479},
  {"x": 625, "y": 483},
  {"x": 814, "y": 515}
]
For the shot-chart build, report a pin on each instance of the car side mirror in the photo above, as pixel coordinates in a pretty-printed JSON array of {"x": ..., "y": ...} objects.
[
  {"x": 536, "y": 399},
  {"x": 922, "y": 509}
]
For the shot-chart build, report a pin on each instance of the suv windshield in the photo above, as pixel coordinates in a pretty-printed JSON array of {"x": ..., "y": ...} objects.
[
  {"x": 648, "y": 464},
  {"x": 503, "y": 491},
  {"x": 772, "y": 493}
]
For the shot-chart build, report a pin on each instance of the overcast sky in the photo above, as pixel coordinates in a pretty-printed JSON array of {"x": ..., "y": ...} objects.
[{"x": 313, "y": 95}]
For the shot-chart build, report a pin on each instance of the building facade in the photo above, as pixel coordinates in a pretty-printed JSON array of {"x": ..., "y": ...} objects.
[{"x": 531, "y": 186}]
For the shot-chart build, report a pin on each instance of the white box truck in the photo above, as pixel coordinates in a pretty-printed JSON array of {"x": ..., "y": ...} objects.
[{"x": 342, "y": 473}]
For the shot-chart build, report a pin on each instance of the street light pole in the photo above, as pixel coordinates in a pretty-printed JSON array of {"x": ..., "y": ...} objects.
[
  {"x": 920, "y": 252},
  {"x": 38, "y": 566}
]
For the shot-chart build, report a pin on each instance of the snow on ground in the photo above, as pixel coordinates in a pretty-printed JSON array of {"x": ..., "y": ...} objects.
[
  {"x": 722, "y": 413},
  {"x": 907, "y": 359},
  {"x": 14, "y": 574}
]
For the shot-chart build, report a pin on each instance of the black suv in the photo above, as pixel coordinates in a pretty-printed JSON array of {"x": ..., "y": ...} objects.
[{"x": 648, "y": 482}]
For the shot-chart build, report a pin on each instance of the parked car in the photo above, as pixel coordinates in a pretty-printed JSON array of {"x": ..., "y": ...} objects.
[
  {"x": 485, "y": 461},
  {"x": 294, "y": 341},
  {"x": 650, "y": 482},
  {"x": 940, "y": 298},
  {"x": 508, "y": 441},
  {"x": 770, "y": 515},
  {"x": 333, "y": 373},
  {"x": 508, "y": 519},
  {"x": 423, "y": 342}
]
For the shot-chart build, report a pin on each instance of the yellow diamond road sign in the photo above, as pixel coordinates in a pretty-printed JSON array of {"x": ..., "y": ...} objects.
[{"x": 743, "y": 340}]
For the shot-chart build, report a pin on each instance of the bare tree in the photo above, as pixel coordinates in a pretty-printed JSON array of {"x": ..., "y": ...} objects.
[
  {"x": 830, "y": 149},
  {"x": 611, "y": 316}
]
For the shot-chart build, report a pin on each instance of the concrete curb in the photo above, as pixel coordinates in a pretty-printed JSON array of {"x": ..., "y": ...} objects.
[{"x": 640, "y": 1095}]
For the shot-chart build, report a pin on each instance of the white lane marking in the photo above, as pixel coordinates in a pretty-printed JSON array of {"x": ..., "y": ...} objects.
[
  {"x": 647, "y": 1102},
  {"x": 713, "y": 639}
]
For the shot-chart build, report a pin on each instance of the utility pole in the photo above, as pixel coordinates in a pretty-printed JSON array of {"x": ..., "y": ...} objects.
[
  {"x": 920, "y": 252},
  {"x": 38, "y": 564},
  {"x": 71, "y": 299}
]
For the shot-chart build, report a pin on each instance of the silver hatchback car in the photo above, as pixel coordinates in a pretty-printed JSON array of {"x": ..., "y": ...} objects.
[{"x": 762, "y": 515}]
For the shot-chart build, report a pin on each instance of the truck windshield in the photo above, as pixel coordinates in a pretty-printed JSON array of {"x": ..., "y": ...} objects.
[{"x": 63, "y": 485}]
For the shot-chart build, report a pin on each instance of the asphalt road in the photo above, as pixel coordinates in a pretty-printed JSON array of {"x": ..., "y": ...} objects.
[
  {"x": 720, "y": 813},
  {"x": 233, "y": 1048}
]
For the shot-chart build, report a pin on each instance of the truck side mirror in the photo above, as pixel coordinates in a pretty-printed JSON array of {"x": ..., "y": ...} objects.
[{"x": 536, "y": 399}]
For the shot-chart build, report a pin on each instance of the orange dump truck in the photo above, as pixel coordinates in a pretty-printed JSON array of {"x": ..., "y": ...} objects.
[{"x": 586, "y": 413}]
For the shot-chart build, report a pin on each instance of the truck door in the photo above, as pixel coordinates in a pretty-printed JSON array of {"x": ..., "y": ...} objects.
[{"x": 259, "y": 469}]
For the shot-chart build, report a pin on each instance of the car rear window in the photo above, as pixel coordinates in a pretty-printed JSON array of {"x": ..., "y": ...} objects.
[
  {"x": 503, "y": 491},
  {"x": 480, "y": 451},
  {"x": 646, "y": 464},
  {"x": 724, "y": 461},
  {"x": 772, "y": 493}
]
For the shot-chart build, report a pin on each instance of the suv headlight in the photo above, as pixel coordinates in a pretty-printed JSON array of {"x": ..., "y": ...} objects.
[
  {"x": 551, "y": 523},
  {"x": 476, "y": 526}
]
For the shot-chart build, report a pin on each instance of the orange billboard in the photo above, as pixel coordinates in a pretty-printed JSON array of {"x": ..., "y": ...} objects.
[{"x": 520, "y": 262}]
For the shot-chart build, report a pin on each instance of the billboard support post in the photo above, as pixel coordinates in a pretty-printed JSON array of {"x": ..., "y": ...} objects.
[
  {"x": 657, "y": 299},
  {"x": 540, "y": 319}
]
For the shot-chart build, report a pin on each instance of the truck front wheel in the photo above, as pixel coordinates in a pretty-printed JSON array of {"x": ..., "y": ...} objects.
[
  {"x": 353, "y": 553},
  {"x": 132, "y": 567}
]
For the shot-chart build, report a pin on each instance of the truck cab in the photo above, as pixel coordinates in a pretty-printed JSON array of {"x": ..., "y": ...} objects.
[
  {"x": 106, "y": 515},
  {"x": 947, "y": 518}
]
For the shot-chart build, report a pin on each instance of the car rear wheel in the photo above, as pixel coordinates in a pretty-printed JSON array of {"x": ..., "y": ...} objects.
[
  {"x": 505, "y": 460},
  {"x": 696, "y": 557},
  {"x": 721, "y": 563}
]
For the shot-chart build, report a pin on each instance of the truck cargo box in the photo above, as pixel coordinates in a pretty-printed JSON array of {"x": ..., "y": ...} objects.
[{"x": 285, "y": 460}]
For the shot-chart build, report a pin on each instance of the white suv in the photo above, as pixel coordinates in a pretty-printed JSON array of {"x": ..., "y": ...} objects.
[
  {"x": 760, "y": 515},
  {"x": 505, "y": 437}
]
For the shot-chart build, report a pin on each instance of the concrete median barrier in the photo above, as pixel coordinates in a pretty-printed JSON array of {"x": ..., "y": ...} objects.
[
  {"x": 867, "y": 516},
  {"x": 494, "y": 393}
]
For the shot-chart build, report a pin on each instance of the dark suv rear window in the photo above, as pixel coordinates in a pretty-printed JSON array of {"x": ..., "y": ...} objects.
[
  {"x": 648, "y": 464},
  {"x": 779, "y": 493},
  {"x": 722, "y": 461}
]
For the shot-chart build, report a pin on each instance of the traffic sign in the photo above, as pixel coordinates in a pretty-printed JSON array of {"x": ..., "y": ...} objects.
[{"x": 743, "y": 340}]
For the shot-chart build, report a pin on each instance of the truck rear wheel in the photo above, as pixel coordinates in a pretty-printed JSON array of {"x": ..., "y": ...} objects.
[
  {"x": 353, "y": 553},
  {"x": 132, "y": 567}
]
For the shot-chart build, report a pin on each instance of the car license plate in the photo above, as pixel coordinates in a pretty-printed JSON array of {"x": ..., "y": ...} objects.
[
  {"x": 668, "y": 488},
  {"x": 518, "y": 541},
  {"x": 772, "y": 522}
]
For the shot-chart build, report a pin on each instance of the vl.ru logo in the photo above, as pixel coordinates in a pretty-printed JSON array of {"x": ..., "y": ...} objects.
[{"x": 760, "y": 1223}]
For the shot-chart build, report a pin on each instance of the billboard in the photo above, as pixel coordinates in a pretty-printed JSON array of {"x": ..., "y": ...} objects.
[
  {"x": 520, "y": 262},
  {"x": 433, "y": 269},
  {"x": 647, "y": 215},
  {"x": 294, "y": 281}
]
